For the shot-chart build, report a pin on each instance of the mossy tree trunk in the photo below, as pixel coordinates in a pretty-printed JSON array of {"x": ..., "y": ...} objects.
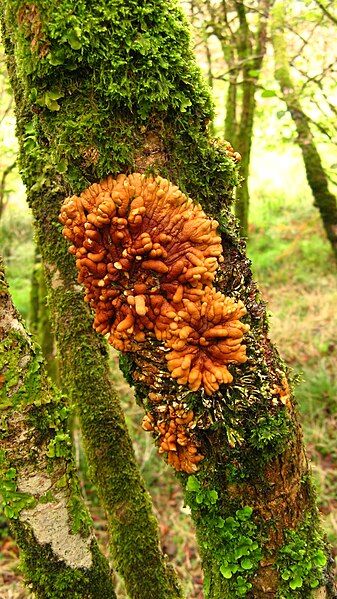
[
  {"x": 112, "y": 87},
  {"x": 39, "y": 320},
  {"x": 38, "y": 484},
  {"x": 83, "y": 356},
  {"x": 324, "y": 200}
]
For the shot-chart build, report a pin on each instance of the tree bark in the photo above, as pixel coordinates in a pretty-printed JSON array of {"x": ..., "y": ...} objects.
[
  {"x": 83, "y": 356},
  {"x": 250, "y": 50},
  {"x": 39, "y": 321},
  {"x": 324, "y": 200},
  {"x": 131, "y": 100},
  {"x": 38, "y": 483}
]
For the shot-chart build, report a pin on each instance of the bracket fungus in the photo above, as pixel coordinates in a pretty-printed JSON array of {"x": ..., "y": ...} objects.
[{"x": 147, "y": 256}]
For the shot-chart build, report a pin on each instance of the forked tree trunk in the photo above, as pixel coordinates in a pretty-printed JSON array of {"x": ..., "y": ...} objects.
[
  {"x": 324, "y": 200},
  {"x": 112, "y": 87},
  {"x": 38, "y": 484}
]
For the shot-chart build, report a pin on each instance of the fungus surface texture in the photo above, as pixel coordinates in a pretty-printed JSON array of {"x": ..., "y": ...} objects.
[{"x": 147, "y": 256}]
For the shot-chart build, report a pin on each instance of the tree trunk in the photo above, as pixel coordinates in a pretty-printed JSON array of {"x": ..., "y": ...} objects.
[
  {"x": 38, "y": 484},
  {"x": 324, "y": 200},
  {"x": 251, "y": 50},
  {"x": 83, "y": 357},
  {"x": 39, "y": 320},
  {"x": 130, "y": 99}
]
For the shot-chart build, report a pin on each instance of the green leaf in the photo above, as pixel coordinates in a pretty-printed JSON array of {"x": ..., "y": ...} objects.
[
  {"x": 213, "y": 496},
  {"x": 268, "y": 93},
  {"x": 33, "y": 94},
  {"x": 281, "y": 113},
  {"x": 56, "y": 57},
  {"x": 296, "y": 583},
  {"x": 320, "y": 558},
  {"x": 52, "y": 105},
  {"x": 192, "y": 484},
  {"x": 55, "y": 94},
  {"x": 30, "y": 128},
  {"x": 11, "y": 473},
  {"x": 246, "y": 564},
  {"x": 73, "y": 40},
  {"x": 62, "y": 165},
  {"x": 314, "y": 583},
  {"x": 9, "y": 511},
  {"x": 185, "y": 102},
  {"x": 285, "y": 575},
  {"x": 245, "y": 513},
  {"x": 254, "y": 73},
  {"x": 226, "y": 571}
]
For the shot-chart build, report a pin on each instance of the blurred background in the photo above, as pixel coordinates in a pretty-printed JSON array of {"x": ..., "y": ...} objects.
[{"x": 274, "y": 79}]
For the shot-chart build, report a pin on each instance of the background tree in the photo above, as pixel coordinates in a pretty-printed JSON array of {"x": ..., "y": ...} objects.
[
  {"x": 7, "y": 157},
  {"x": 241, "y": 30},
  {"x": 317, "y": 177},
  {"x": 251, "y": 498}
]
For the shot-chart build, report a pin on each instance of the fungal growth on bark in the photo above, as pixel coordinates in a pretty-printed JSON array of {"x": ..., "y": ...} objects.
[
  {"x": 147, "y": 256},
  {"x": 134, "y": 238},
  {"x": 205, "y": 336},
  {"x": 174, "y": 428}
]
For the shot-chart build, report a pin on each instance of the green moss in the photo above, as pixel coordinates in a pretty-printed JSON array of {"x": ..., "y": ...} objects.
[
  {"x": 271, "y": 434},
  {"x": 12, "y": 500},
  {"x": 53, "y": 579},
  {"x": 302, "y": 561},
  {"x": 232, "y": 539},
  {"x": 140, "y": 80}
]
